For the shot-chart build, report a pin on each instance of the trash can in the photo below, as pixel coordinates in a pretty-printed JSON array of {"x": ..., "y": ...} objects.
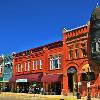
[{"x": 78, "y": 95}]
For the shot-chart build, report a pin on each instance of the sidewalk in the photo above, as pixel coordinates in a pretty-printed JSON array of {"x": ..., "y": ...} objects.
[{"x": 49, "y": 97}]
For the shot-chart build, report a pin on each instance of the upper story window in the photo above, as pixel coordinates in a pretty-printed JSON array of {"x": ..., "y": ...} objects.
[
  {"x": 25, "y": 66},
  {"x": 71, "y": 54},
  {"x": 28, "y": 66},
  {"x": 18, "y": 68},
  {"x": 84, "y": 52},
  {"x": 70, "y": 51},
  {"x": 83, "y": 49},
  {"x": 35, "y": 64},
  {"x": 21, "y": 67},
  {"x": 55, "y": 63},
  {"x": 99, "y": 46},
  {"x": 77, "y": 53},
  {"x": 40, "y": 63}
]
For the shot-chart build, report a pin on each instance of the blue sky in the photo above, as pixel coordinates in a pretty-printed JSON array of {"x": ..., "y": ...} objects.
[{"x": 25, "y": 24}]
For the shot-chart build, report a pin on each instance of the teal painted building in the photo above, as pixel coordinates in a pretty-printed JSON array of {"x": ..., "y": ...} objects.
[{"x": 7, "y": 71}]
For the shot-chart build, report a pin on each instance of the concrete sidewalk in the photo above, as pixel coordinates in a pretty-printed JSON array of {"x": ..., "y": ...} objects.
[{"x": 49, "y": 97}]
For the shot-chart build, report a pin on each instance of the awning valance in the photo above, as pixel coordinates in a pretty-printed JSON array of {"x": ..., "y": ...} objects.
[
  {"x": 26, "y": 78},
  {"x": 52, "y": 78}
]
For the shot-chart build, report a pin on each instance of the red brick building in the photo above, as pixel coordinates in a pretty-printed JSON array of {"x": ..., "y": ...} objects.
[{"x": 57, "y": 67}]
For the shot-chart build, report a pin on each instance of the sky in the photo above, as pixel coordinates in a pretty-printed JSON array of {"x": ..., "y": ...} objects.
[{"x": 26, "y": 24}]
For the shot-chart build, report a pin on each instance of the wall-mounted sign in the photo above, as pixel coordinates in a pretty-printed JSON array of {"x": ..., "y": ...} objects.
[
  {"x": 88, "y": 84},
  {"x": 21, "y": 80}
]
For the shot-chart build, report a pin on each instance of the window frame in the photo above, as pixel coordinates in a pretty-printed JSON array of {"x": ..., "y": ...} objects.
[{"x": 41, "y": 63}]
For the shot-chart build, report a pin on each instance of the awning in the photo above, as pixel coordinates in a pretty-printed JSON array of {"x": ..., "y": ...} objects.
[
  {"x": 28, "y": 77},
  {"x": 52, "y": 78}
]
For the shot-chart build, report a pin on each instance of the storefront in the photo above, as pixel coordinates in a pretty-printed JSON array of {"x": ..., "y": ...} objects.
[
  {"x": 52, "y": 83},
  {"x": 21, "y": 83}
]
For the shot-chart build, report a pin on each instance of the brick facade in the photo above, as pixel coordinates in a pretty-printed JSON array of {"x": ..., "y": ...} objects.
[{"x": 72, "y": 53}]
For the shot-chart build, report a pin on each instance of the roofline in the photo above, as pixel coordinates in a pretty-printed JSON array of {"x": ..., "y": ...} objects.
[
  {"x": 40, "y": 47},
  {"x": 77, "y": 28}
]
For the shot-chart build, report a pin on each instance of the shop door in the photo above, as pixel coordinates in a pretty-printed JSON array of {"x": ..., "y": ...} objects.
[{"x": 72, "y": 80}]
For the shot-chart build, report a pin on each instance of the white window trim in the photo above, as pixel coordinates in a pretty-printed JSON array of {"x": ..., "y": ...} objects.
[
  {"x": 25, "y": 66},
  {"x": 59, "y": 63},
  {"x": 21, "y": 67},
  {"x": 40, "y": 63},
  {"x": 52, "y": 67},
  {"x": 50, "y": 63},
  {"x": 36, "y": 64},
  {"x": 18, "y": 68},
  {"x": 28, "y": 66},
  {"x": 33, "y": 65}
]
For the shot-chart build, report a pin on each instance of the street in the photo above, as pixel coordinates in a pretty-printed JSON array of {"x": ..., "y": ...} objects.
[
  {"x": 10, "y": 97},
  {"x": 23, "y": 96}
]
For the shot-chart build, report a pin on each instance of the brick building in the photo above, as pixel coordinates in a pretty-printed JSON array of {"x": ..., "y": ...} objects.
[{"x": 57, "y": 67}]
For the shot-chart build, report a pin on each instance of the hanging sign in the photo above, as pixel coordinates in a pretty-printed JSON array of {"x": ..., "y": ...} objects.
[{"x": 88, "y": 84}]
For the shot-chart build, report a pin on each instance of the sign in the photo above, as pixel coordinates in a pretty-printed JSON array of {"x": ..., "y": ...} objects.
[
  {"x": 21, "y": 80},
  {"x": 88, "y": 84},
  {"x": 79, "y": 83}
]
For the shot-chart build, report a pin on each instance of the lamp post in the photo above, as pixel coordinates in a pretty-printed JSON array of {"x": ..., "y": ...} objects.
[{"x": 88, "y": 85}]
